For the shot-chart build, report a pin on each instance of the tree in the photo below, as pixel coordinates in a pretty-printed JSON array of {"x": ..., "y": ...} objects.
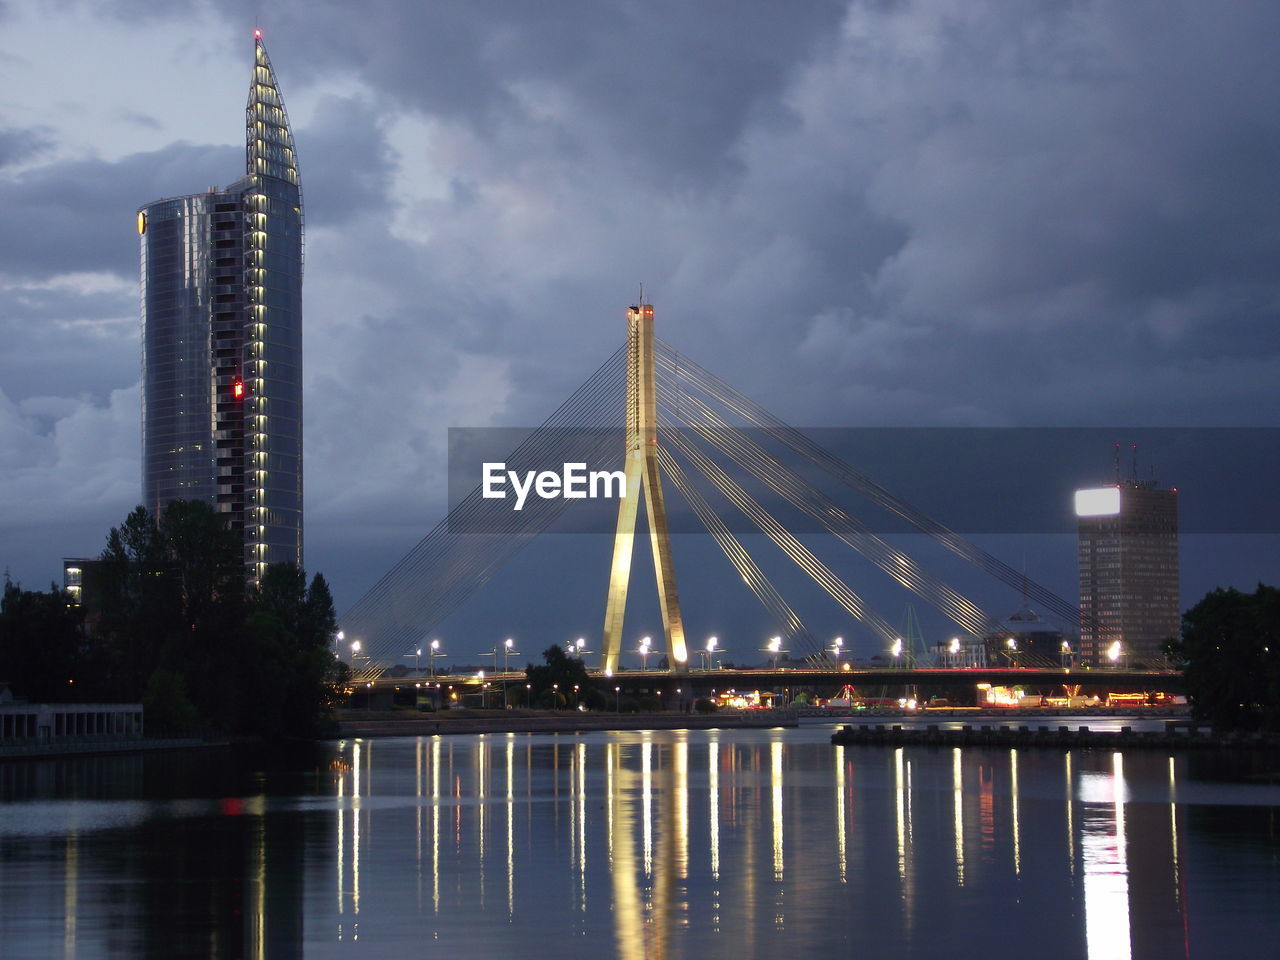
[
  {"x": 1230, "y": 651},
  {"x": 172, "y": 595},
  {"x": 178, "y": 629},
  {"x": 558, "y": 668},
  {"x": 40, "y": 644},
  {"x": 293, "y": 672}
]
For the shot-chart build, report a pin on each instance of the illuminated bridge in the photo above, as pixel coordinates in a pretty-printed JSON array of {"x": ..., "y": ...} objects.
[{"x": 655, "y": 416}]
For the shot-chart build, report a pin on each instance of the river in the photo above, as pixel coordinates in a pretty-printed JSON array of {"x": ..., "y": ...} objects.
[{"x": 743, "y": 843}]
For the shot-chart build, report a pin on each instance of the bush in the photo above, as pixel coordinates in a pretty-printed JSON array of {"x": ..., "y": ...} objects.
[
  {"x": 704, "y": 705},
  {"x": 168, "y": 708}
]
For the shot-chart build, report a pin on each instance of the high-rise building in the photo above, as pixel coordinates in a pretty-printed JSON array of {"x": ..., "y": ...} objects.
[
  {"x": 1128, "y": 558},
  {"x": 222, "y": 340}
]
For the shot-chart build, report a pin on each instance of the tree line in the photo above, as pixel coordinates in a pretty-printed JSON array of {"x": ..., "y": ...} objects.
[
  {"x": 173, "y": 625},
  {"x": 1230, "y": 657}
]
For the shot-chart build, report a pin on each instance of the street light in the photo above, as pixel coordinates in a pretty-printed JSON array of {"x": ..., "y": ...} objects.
[
  {"x": 555, "y": 696},
  {"x": 617, "y": 692},
  {"x": 896, "y": 652},
  {"x": 1113, "y": 653},
  {"x": 837, "y": 647},
  {"x": 709, "y": 652},
  {"x": 507, "y": 644},
  {"x": 435, "y": 652},
  {"x": 774, "y": 648},
  {"x": 644, "y": 653},
  {"x": 528, "y": 695}
]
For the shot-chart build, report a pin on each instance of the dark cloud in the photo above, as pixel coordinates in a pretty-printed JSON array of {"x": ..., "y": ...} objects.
[
  {"x": 347, "y": 163},
  {"x": 78, "y": 215},
  {"x": 78, "y": 337},
  {"x": 19, "y": 145}
]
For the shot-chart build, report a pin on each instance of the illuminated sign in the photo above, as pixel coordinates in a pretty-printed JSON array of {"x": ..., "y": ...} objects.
[
  {"x": 237, "y": 389},
  {"x": 142, "y": 222},
  {"x": 1102, "y": 502}
]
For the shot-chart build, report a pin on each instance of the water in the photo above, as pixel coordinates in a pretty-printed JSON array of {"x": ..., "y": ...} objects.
[{"x": 680, "y": 844}]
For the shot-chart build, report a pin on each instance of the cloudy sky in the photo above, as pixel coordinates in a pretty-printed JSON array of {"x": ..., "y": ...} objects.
[{"x": 865, "y": 213}]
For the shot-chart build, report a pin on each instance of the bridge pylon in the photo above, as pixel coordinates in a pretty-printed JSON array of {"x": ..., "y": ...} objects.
[{"x": 641, "y": 468}]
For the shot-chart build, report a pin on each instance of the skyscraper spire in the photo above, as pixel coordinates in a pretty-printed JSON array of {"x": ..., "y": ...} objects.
[{"x": 268, "y": 139}]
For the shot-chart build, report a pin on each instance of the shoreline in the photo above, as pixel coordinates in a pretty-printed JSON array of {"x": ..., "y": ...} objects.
[
  {"x": 1177, "y": 735},
  {"x": 55, "y": 749}
]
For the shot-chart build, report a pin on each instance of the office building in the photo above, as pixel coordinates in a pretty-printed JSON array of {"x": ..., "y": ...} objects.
[
  {"x": 222, "y": 340},
  {"x": 1128, "y": 561}
]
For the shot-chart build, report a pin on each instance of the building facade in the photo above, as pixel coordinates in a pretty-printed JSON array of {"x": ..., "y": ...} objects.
[
  {"x": 1128, "y": 562},
  {"x": 222, "y": 340}
]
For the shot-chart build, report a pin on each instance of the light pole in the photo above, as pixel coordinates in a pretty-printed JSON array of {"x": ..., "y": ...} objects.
[
  {"x": 709, "y": 652},
  {"x": 555, "y": 696},
  {"x": 507, "y": 644},
  {"x": 528, "y": 695},
  {"x": 617, "y": 704},
  {"x": 837, "y": 648},
  {"x": 1114, "y": 652},
  {"x": 435, "y": 652},
  {"x": 1066, "y": 655},
  {"x": 644, "y": 653},
  {"x": 774, "y": 647},
  {"x": 895, "y": 651}
]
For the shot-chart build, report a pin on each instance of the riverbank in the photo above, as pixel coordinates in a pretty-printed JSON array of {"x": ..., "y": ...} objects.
[
  {"x": 356, "y": 723},
  {"x": 1177, "y": 735},
  {"x": 34, "y": 750}
]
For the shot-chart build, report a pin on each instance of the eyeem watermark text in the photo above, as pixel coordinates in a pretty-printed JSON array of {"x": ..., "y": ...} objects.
[{"x": 573, "y": 482}]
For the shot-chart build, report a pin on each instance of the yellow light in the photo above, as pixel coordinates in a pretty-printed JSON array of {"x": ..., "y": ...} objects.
[{"x": 142, "y": 222}]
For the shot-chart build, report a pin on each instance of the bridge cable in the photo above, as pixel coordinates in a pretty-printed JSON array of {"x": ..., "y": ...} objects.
[
  {"x": 802, "y": 494},
  {"x": 843, "y": 471}
]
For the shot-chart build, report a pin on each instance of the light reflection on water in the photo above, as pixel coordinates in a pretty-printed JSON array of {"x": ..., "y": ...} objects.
[{"x": 637, "y": 844}]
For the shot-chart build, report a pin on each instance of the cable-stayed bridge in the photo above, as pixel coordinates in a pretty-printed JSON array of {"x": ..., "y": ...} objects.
[{"x": 649, "y": 412}]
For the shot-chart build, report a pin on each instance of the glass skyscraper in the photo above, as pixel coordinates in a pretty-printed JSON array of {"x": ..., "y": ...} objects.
[{"x": 222, "y": 340}]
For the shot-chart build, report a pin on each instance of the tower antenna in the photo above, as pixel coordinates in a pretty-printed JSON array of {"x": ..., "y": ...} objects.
[{"x": 1116, "y": 460}]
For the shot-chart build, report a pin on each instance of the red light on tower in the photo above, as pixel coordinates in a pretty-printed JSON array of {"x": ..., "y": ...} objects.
[
  {"x": 237, "y": 389},
  {"x": 257, "y": 34}
]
